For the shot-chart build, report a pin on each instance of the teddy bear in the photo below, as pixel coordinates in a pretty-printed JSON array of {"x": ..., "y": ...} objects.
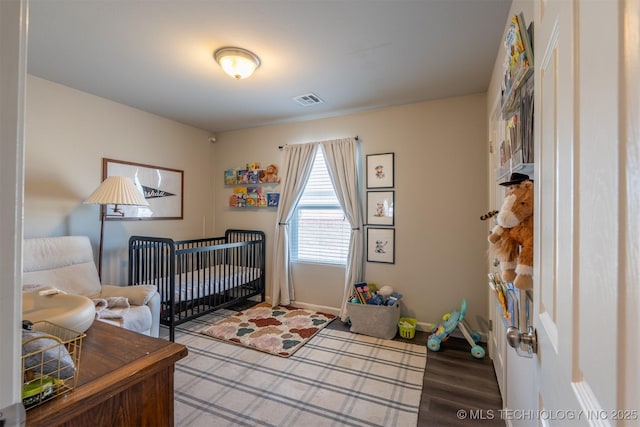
[
  {"x": 512, "y": 238},
  {"x": 270, "y": 174}
]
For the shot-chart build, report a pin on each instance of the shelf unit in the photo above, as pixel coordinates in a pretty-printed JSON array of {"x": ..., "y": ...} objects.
[
  {"x": 510, "y": 99},
  {"x": 255, "y": 193},
  {"x": 516, "y": 143}
]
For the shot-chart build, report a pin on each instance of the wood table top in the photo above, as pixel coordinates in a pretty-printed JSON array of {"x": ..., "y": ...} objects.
[{"x": 111, "y": 359}]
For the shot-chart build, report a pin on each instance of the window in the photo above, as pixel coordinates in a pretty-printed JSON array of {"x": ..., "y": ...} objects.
[{"x": 319, "y": 229}]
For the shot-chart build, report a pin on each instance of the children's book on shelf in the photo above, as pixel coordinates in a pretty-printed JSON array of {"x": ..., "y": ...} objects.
[
  {"x": 233, "y": 201},
  {"x": 240, "y": 190},
  {"x": 231, "y": 177},
  {"x": 247, "y": 177},
  {"x": 505, "y": 152},
  {"x": 515, "y": 138},
  {"x": 526, "y": 39},
  {"x": 238, "y": 200},
  {"x": 252, "y": 200},
  {"x": 273, "y": 199},
  {"x": 262, "y": 200}
]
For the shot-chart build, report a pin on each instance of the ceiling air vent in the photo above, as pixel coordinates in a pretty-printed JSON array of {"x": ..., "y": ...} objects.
[{"x": 308, "y": 99}]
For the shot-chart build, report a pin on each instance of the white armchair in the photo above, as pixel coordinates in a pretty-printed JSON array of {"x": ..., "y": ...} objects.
[{"x": 67, "y": 263}]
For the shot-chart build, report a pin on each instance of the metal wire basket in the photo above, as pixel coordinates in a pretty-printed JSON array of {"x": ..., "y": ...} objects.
[{"x": 50, "y": 362}]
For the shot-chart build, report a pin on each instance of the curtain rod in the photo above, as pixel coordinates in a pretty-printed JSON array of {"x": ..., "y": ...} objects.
[{"x": 281, "y": 147}]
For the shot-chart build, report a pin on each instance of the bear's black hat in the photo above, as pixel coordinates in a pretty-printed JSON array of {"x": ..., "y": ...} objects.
[{"x": 516, "y": 178}]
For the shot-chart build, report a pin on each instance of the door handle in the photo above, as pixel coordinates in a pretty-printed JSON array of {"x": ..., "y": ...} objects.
[{"x": 525, "y": 343}]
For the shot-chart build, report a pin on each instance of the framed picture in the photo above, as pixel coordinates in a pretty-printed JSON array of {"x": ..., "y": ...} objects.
[
  {"x": 381, "y": 245},
  {"x": 380, "y": 205},
  {"x": 162, "y": 187},
  {"x": 380, "y": 170}
]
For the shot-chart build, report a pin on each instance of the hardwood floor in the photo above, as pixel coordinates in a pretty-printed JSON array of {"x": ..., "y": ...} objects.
[{"x": 458, "y": 389}]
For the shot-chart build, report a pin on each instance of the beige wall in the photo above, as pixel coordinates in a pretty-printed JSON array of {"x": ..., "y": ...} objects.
[
  {"x": 440, "y": 176},
  {"x": 68, "y": 132},
  {"x": 440, "y": 184}
]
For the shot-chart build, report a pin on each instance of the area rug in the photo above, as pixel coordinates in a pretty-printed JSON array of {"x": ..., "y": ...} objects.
[
  {"x": 337, "y": 379},
  {"x": 278, "y": 330}
]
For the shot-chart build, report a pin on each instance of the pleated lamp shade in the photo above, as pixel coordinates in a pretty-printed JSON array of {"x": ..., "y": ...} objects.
[{"x": 117, "y": 190}]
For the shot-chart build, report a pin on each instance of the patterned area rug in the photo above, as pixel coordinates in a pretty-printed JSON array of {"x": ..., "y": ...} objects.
[
  {"x": 278, "y": 330},
  {"x": 337, "y": 379}
]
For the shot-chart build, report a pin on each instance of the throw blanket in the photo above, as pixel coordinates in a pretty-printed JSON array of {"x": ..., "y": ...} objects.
[
  {"x": 43, "y": 354},
  {"x": 112, "y": 307}
]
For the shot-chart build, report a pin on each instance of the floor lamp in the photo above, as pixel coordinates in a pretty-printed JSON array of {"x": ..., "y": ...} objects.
[{"x": 115, "y": 190}]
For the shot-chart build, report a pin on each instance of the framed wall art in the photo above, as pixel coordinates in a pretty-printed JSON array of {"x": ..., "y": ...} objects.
[
  {"x": 380, "y": 205},
  {"x": 161, "y": 187},
  {"x": 381, "y": 245},
  {"x": 380, "y": 170}
]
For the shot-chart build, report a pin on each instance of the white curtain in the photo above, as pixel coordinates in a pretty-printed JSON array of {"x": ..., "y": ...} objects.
[
  {"x": 298, "y": 161},
  {"x": 341, "y": 157}
]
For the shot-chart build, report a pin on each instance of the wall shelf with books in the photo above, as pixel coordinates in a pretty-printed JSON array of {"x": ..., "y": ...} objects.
[
  {"x": 516, "y": 145},
  {"x": 253, "y": 197},
  {"x": 252, "y": 173},
  {"x": 518, "y": 63},
  {"x": 253, "y": 186}
]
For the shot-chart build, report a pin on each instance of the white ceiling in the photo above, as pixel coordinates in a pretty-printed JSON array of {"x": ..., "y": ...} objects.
[{"x": 156, "y": 55}]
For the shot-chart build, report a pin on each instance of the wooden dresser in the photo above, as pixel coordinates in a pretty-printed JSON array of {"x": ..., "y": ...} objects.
[{"x": 125, "y": 379}]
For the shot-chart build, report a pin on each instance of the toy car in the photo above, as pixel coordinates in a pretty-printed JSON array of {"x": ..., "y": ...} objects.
[{"x": 451, "y": 321}]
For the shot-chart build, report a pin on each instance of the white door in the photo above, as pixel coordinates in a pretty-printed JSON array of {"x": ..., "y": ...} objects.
[
  {"x": 586, "y": 341},
  {"x": 13, "y": 33}
]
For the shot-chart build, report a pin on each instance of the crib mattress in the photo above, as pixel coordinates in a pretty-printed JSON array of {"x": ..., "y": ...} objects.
[{"x": 214, "y": 280}]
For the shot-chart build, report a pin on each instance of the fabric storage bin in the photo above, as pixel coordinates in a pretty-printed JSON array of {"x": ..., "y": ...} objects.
[{"x": 378, "y": 321}]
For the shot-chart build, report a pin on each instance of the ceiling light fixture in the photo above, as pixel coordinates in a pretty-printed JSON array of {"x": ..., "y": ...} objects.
[{"x": 237, "y": 62}]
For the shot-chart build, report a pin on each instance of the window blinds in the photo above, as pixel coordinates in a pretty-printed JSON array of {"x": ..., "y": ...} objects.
[{"x": 320, "y": 232}]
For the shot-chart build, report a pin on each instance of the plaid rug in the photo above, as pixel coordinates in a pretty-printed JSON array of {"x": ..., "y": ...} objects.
[
  {"x": 337, "y": 379},
  {"x": 278, "y": 330}
]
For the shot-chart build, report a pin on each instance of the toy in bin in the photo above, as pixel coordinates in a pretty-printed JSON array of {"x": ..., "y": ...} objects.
[{"x": 451, "y": 321}]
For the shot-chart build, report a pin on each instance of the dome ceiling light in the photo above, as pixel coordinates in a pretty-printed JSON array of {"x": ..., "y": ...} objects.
[{"x": 237, "y": 62}]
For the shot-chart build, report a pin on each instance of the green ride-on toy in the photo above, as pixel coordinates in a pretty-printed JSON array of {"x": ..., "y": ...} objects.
[{"x": 451, "y": 321}]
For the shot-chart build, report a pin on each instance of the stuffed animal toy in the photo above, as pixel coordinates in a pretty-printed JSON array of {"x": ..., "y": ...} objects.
[
  {"x": 385, "y": 296},
  {"x": 512, "y": 238},
  {"x": 386, "y": 291},
  {"x": 271, "y": 174}
]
